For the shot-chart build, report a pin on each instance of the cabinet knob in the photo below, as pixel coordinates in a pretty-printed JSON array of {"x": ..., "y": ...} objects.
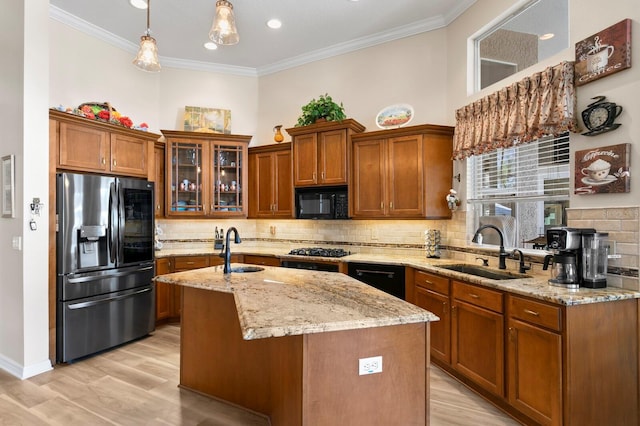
[
  {"x": 391, "y": 205},
  {"x": 445, "y": 306},
  {"x": 103, "y": 161},
  {"x": 322, "y": 176},
  {"x": 381, "y": 206},
  {"x": 114, "y": 163}
]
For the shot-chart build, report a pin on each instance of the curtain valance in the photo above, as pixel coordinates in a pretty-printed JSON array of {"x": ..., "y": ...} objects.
[{"x": 539, "y": 105}]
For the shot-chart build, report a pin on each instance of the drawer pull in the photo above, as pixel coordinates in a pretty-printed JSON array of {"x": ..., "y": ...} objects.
[
  {"x": 473, "y": 295},
  {"x": 428, "y": 282},
  {"x": 534, "y": 313},
  {"x": 190, "y": 263}
]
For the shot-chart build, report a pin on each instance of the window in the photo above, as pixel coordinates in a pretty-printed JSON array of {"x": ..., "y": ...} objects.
[
  {"x": 530, "y": 32},
  {"x": 529, "y": 182}
]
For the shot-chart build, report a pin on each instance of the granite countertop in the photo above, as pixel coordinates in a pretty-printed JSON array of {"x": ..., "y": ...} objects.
[
  {"x": 280, "y": 301},
  {"x": 535, "y": 285}
]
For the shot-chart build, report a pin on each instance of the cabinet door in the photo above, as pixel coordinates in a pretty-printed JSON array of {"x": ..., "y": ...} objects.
[
  {"x": 129, "y": 155},
  {"x": 83, "y": 148},
  {"x": 159, "y": 176},
  {"x": 185, "y": 179},
  {"x": 440, "y": 330},
  {"x": 261, "y": 260},
  {"x": 477, "y": 345},
  {"x": 405, "y": 192},
  {"x": 332, "y": 157},
  {"x": 368, "y": 183},
  {"x": 264, "y": 180},
  {"x": 164, "y": 292},
  {"x": 535, "y": 372},
  {"x": 283, "y": 188},
  {"x": 305, "y": 160},
  {"x": 228, "y": 182}
]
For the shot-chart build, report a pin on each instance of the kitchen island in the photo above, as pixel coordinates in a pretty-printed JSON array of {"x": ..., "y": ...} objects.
[{"x": 288, "y": 343}]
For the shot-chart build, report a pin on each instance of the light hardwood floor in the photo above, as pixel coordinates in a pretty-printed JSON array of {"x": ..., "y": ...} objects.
[{"x": 136, "y": 384}]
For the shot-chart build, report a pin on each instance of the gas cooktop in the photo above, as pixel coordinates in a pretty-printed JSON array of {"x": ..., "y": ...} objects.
[{"x": 320, "y": 252}]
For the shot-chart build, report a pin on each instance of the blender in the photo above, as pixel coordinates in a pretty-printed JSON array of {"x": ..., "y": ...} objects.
[{"x": 595, "y": 252}]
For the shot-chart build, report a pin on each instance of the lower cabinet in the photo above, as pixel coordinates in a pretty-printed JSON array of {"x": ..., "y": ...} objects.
[
  {"x": 477, "y": 335},
  {"x": 432, "y": 293},
  {"x": 544, "y": 363},
  {"x": 534, "y": 359},
  {"x": 163, "y": 291}
]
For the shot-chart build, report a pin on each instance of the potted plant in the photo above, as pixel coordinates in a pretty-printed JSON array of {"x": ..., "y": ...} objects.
[{"x": 322, "y": 108}]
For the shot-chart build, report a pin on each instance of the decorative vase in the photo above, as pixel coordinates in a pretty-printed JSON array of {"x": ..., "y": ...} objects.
[{"x": 278, "y": 137}]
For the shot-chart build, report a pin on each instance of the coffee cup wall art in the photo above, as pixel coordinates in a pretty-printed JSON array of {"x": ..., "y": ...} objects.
[
  {"x": 604, "y": 53},
  {"x": 603, "y": 170}
]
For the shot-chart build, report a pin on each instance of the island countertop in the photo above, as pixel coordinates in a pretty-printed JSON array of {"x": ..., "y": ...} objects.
[{"x": 280, "y": 302}]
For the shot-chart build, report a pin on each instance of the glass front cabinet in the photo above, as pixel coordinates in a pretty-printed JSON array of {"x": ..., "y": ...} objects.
[{"x": 206, "y": 174}]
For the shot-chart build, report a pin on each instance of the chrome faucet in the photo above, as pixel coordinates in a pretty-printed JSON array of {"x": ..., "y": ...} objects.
[
  {"x": 503, "y": 254},
  {"x": 227, "y": 248},
  {"x": 523, "y": 269}
]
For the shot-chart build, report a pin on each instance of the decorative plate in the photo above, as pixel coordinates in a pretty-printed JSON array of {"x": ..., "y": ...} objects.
[{"x": 394, "y": 116}]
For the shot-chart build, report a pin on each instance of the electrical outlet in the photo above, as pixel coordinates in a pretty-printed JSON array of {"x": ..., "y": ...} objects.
[
  {"x": 16, "y": 243},
  {"x": 370, "y": 365},
  {"x": 374, "y": 233}
]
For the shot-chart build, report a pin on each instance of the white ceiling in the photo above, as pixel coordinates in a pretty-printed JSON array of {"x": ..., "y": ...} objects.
[{"x": 311, "y": 29}]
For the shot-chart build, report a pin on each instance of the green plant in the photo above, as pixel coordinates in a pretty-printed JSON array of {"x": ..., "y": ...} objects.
[{"x": 324, "y": 107}]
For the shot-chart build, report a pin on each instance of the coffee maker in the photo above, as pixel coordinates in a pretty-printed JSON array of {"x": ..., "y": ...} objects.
[{"x": 566, "y": 243}]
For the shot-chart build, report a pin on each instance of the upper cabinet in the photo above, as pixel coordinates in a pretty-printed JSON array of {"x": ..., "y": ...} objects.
[
  {"x": 94, "y": 146},
  {"x": 402, "y": 173},
  {"x": 270, "y": 181},
  {"x": 320, "y": 154},
  {"x": 206, "y": 174}
]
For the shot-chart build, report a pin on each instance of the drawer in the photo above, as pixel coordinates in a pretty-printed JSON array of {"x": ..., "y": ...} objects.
[
  {"x": 432, "y": 282},
  {"x": 538, "y": 313},
  {"x": 261, "y": 260},
  {"x": 479, "y": 296},
  {"x": 182, "y": 263}
]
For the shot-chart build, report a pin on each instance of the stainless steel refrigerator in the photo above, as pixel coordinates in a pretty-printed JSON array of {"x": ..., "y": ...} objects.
[{"x": 105, "y": 269}]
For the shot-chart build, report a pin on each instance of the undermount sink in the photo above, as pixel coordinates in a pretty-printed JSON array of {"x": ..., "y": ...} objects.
[
  {"x": 242, "y": 269},
  {"x": 483, "y": 272}
]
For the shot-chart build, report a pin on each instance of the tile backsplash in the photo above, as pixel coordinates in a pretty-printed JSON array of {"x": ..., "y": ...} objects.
[{"x": 407, "y": 236}]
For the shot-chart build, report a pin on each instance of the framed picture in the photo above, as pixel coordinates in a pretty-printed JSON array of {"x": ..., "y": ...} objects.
[
  {"x": 604, "y": 53},
  {"x": 603, "y": 170},
  {"x": 207, "y": 120},
  {"x": 8, "y": 186}
]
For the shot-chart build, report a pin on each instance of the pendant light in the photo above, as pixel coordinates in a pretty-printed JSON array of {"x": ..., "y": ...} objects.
[
  {"x": 224, "y": 31},
  {"x": 147, "y": 57}
]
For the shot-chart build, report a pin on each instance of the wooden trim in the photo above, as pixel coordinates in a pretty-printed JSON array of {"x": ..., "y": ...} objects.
[
  {"x": 201, "y": 136},
  {"x": 284, "y": 146},
  {"x": 348, "y": 123},
  {"x": 53, "y": 150},
  {"x": 101, "y": 125},
  {"x": 430, "y": 129}
]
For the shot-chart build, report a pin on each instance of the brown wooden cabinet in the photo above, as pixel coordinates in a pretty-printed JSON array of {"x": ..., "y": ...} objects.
[
  {"x": 320, "y": 154},
  {"x": 431, "y": 292},
  {"x": 477, "y": 335},
  {"x": 164, "y": 292},
  {"x": 206, "y": 174},
  {"x": 93, "y": 146},
  {"x": 402, "y": 173},
  {"x": 562, "y": 365},
  {"x": 270, "y": 181},
  {"x": 535, "y": 359},
  {"x": 159, "y": 178}
]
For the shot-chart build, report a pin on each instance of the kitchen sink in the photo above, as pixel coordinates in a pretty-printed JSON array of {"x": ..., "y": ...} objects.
[
  {"x": 242, "y": 269},
  {"x": 483, "y": 272}
]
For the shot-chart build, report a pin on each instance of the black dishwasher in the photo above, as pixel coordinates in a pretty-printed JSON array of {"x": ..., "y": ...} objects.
[{"x": 388, "y": 278}]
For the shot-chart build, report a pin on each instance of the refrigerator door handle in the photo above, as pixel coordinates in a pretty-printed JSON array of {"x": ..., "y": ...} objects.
[
  {"x": 82, "y": 305},
  {"x": 121, "y": 224},
  {"x": 113, "y": 215}
]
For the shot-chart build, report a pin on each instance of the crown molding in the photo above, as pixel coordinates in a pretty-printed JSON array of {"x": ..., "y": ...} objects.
[{"x": 316, "y": 55}]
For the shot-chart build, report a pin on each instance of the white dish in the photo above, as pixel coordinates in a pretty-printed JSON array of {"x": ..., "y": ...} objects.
[
  {"x": 394, "y": 116},
  {"x": 589, "y": 181}
]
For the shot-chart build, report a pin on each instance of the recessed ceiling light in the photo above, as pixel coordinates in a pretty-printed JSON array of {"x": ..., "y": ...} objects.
[
  {"x": 274, "y": 23},
  {"x": 210, "y": 45},
  {"x": 140, "y": 4},
  {"x": 547, "y": 36}
]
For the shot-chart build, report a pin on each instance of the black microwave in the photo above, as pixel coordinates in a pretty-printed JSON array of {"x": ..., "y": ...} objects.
[{"x": 322, "y": 203}]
